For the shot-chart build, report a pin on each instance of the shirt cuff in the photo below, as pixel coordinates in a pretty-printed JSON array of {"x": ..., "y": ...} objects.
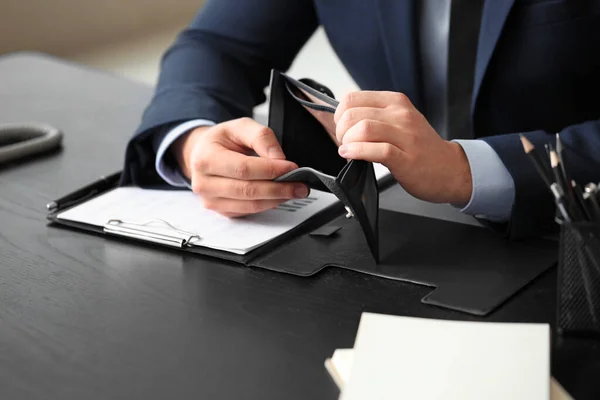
[
  {"x": 170, "y": 173},
  {"x": 493, "y": 193}
]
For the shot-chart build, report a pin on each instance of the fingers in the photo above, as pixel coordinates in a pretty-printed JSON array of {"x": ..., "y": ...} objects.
[
  {"x": 217, "y": 161},
  {"x": 251, "y": 134},
  {"x": 370, "y": 99},
  {"x": 233, "y": 183},
  {"x": 234, "y": 198},
  {"x": 238, "y": 208},
  {"x": 383, "y": 153},
  {"x": 353, "y": 116},
  {"x": 374, "y": 131},
  {"x": 220, "y": 152},
  {"x": 215, "y": 187}
]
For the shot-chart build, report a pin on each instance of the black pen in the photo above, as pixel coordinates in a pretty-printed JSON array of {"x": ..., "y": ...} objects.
[
  {"x": 560, "y": 201},
  {"x": 587, "y": 214},
  {"x": 560, "y": 151},
  {"x": 102, "y": 184},
  {"x": 554, "y": 163},
  {"x": 590, "y": 195},
  {"x": 562, "y": 157},
  {"x": 570, "y": 202},
  {"x": 548, "y": 148}
]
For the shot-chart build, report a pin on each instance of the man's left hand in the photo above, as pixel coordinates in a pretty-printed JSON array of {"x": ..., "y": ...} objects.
[{"x": 386, "y": 128}]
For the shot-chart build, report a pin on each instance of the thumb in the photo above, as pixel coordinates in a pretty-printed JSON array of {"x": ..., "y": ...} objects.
[
  {"x": 269, "y": 147},
  {"x": 257, "y": 137}
]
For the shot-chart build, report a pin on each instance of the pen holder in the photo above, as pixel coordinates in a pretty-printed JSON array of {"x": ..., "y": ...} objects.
[{"x": 579, "y": 280}]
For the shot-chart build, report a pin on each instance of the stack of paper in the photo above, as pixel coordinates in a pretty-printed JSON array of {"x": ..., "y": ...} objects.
[{"x": 412, "y": 358}]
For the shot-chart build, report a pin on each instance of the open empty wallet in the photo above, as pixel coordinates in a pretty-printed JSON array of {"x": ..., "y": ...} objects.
[{"x": 301, "y": 115}]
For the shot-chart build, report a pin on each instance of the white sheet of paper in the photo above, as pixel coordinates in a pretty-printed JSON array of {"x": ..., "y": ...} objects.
[
  {"x": 340, "y": 366},
  {"x": 184, "y": 211},
  {"x": 412, "y": 358}
]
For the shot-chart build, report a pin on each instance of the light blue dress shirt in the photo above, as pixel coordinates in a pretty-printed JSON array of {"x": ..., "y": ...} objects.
[
  {"x": 171, "y": 173},
  {"x": 493, "y": 192}
]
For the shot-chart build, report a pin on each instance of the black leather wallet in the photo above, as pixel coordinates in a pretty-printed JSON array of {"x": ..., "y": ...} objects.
[{"x": 301, "y": 115}]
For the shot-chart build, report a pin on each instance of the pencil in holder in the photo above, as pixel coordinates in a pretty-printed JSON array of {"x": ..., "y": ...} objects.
[{"x": 579, "y": 280}]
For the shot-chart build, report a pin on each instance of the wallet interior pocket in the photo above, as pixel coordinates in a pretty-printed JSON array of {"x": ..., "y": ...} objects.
[
  {"x": 322, "y": 110},
  {"x": 305, "y": 140}
]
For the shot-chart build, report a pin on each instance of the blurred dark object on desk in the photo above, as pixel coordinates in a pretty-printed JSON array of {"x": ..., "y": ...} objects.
[{"x": 20, "y": 141}]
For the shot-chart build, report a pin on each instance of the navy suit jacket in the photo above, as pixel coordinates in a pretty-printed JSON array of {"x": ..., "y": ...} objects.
[{"x": 537, "y": 72}]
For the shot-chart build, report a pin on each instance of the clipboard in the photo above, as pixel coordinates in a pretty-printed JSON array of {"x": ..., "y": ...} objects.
[{"x": 157, "y": 232}]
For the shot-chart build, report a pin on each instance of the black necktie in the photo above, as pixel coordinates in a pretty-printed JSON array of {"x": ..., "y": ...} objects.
[{"x": 465, "y": 20}]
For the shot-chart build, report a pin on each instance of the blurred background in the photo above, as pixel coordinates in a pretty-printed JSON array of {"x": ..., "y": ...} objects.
[{"x": 128, "y": 37}]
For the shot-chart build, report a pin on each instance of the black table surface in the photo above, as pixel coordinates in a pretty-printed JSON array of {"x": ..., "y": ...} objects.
[{"x": 86, "y": 317}]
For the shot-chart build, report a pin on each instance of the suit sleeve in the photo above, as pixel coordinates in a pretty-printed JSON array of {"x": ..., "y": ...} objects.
[
  {"x": 217, "y": 70},
  {"x": 533, "y": 209}
]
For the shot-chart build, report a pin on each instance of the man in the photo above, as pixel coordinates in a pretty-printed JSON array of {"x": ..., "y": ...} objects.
[{"x": 447, "y": 87}]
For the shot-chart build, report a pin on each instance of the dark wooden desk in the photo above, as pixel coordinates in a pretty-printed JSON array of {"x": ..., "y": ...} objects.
[{"x": 82, "y": 317}]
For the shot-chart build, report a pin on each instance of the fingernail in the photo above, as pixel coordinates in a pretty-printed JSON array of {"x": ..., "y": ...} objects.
[
  {"x": 343, "y": 150},
  {"x": 301, "y": 192},
  {"x": 275, "y": 152}
]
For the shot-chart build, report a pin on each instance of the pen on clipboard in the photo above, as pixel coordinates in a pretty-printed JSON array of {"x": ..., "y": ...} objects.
[{"x": 100, "y": 185}]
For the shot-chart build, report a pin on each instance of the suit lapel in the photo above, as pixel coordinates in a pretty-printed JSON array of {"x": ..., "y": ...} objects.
[
  {"x": 494, "y": 15},
  {"x": 398, "y": 29}
]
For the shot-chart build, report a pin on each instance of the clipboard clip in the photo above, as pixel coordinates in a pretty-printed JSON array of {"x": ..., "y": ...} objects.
[{"x": 155, "y": 231}]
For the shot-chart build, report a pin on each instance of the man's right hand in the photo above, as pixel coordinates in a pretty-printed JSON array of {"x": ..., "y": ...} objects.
[{"x": 227, "y": 176}]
